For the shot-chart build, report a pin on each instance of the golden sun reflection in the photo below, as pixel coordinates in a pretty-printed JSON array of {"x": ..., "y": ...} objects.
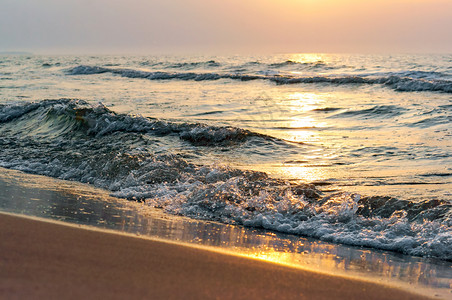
[
  {"x": 300, "y": 127},
  {"x": 355, "y": 263},
  {"x": 307, "y": 58},
  {"x": 274, "y": 256},
  {"x": 316, "y": 257},
  {"x": 303, "y": 127},
  {"x": 307, "y": 174},
  {"x": 303, "y": 102}
]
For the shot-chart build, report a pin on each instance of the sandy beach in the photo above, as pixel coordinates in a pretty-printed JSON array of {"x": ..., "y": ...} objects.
[{"x": 53, "y": 261}]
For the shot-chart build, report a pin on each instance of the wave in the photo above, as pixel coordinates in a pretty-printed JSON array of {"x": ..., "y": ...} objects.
[
  {"x": 283, "y": 64},
  {"x": 305, "y": 65},
  {"x": 182, "y": 65},
  {"x": 326, "y": 109},
  {"x": 420, "y": 74},
  {"x": 432, "y": 121},
  {"x": 191, "y": 65},
  {"x": 440, "y": 115},
  {"x": 319, "y": 65},
  {"x": 100, "y": 121},
  {"x": 378, "y": 111},
  {"x": 398, "y": 83},
  {"x": 73, "y": 140}
]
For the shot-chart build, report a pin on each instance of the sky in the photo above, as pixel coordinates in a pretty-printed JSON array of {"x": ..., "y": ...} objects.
[{"x": 205, "y": 26}]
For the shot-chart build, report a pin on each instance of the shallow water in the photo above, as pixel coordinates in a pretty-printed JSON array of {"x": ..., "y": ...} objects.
[
  {"x": 193, "y": 134},
  {"x": 82, "y": 204}
]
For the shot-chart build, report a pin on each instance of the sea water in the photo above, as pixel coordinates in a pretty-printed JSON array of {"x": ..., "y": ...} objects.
[{"x": 350, "y": 149}]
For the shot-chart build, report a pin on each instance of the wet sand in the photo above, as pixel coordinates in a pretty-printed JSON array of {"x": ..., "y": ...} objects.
[{"x": 47, "y": 260}]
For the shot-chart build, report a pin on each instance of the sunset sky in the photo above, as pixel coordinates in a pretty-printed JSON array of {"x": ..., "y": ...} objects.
[{"x": 158, "y": 26}]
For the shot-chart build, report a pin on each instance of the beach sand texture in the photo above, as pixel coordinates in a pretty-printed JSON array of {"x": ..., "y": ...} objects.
[{"x": 47, "y": 260}]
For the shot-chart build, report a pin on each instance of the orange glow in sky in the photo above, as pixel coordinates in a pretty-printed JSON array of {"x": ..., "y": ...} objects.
[{"x": 234, "y": 25}]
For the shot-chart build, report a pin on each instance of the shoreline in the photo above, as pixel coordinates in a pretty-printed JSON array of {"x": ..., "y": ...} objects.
[{"x": 50, "y": 259}]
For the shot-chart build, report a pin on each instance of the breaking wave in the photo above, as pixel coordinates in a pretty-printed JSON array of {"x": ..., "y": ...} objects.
[
  {"x": 133, "y": 157},
  {"x": 77, "y": 116}
]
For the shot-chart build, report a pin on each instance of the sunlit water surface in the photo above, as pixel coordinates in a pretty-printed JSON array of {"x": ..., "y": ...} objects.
[{"x": 372, "y": 133}]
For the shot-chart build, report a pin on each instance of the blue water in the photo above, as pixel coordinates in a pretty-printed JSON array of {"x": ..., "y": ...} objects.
[{"x": 352, "y": 149}]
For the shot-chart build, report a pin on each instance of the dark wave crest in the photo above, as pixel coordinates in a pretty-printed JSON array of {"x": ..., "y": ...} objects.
[
  {"x": 378, "y": 111},
  {"x": 396, "y": 82},
  {"x": 192, "y": 65},
  {"x": 309, "y": 65}
]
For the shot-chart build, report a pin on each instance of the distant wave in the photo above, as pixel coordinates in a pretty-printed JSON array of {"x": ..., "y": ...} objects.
[
  {"x": 190, "y": 65},
  {"x": 296, "y": 65},
  {"x": 432, "y": 121},
  {"x": 326, "y": 109},
  {"x": 313, "y": 65},
  {"x": 284, "y": 63},
  {"x": 419, "y": 74},
  {"x": 182, "y": 65},
  {"x": 396, "y": 82},
  {"x": 73, "y": 140}
]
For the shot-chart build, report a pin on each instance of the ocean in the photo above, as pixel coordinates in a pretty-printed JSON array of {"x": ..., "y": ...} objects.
[{"x": 348, "y": 149}]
